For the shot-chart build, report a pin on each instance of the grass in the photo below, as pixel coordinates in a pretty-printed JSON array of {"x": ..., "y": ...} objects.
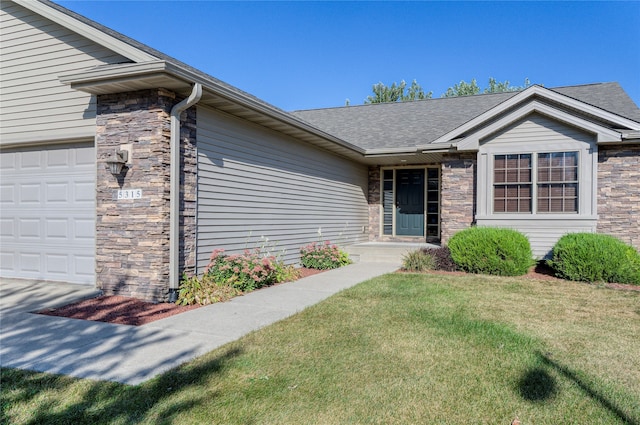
[{"x": 399, "y": 349}]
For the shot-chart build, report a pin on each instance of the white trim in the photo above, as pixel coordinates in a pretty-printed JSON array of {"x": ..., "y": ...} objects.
[
  {"x": 87, "y": 31},
  {"x": 543, "y": 93},
  {"x": 425, "y": 206},
  {"x": 603, "y": 134}
]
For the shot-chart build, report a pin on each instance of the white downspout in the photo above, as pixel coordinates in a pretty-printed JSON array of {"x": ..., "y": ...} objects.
[{"x": 174, "y": 184}]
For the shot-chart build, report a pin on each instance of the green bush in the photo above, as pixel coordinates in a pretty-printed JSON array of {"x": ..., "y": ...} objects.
[
  {"x": 204, "y": 290},
  {"x": 592, "y": 257},
  {"x": 323, "y": 256},
  {"x": 418, "y": 261},
  {"x": 229, "y": 275},
  {"x": 491, "y": 250}
]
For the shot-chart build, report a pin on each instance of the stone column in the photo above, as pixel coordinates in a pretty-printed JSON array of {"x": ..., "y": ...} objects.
[
  {"x": 457, "y": 194},
  {"x": 375, "y": 203},
  {"x": 132, "y": 235},
  {"x": 619, "y": 192}
]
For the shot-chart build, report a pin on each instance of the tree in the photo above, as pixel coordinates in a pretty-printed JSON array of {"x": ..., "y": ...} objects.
[
  {"x": 462, "y": 89},
  {"x": 397, "y": 92},
  {"x": 467, "y": 89}
]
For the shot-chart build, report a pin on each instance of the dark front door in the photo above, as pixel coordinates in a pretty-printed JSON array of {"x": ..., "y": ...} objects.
[{"x": 410, "y": 202}]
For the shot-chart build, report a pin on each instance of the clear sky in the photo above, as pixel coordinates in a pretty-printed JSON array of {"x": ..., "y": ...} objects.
[{"x": 305, "y": 55}]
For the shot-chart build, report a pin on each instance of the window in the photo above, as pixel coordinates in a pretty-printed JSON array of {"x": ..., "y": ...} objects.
[
  {"x": 547, "y": 180},
  {"x": 512, "y": 183}
]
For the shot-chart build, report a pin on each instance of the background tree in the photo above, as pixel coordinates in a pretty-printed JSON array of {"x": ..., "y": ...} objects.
[
  {"x": 401, "y": 93},
  {"x": 397, "y": 93},
  {"x": 467, "y": 89}
]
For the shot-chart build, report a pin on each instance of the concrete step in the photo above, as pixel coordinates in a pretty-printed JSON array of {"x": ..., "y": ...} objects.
[{"x": 380, "y": 252}]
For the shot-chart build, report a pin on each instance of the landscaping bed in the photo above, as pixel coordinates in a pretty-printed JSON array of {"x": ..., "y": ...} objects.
[{"x": 128, "y": 311}]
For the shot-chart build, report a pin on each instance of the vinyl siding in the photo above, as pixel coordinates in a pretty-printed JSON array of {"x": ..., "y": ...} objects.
[
  {"x": 533, "y": 134},
  {"x": 255, "y": 183},
  {"x": 36, "y": 107}
]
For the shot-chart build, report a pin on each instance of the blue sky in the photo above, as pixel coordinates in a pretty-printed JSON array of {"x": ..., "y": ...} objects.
[{"x": 305, "y": 55}]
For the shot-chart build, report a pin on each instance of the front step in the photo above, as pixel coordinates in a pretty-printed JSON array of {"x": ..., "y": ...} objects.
[{"x": 383, "y": 252}]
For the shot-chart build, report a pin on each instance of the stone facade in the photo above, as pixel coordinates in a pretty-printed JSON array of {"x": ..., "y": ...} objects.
[
  {"x": 457, "y": 194},
  {"x": 132, "y": 235},
  {"x": 374, "y": 199},
  {"x": 619, "y": 198}
]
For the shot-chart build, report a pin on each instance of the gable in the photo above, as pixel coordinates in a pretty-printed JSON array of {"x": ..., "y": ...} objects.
[
  {"x": 36, "y": 106},
  {"x": 536, "y": 131}
]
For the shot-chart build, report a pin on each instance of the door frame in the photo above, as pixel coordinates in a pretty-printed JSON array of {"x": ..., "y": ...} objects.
[{"x": 393, "y": 234}]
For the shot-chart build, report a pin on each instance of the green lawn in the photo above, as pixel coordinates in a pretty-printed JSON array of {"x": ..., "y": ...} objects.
[{"x": 399, "y": 349}]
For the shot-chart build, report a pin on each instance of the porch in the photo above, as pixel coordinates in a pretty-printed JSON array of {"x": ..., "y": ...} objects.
[{"x": 384, "y": 252}]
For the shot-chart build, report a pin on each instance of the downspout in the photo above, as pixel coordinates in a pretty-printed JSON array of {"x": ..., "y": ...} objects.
[{"x": 174, "y": 197}]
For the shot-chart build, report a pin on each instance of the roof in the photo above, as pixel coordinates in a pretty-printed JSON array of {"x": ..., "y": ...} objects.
[
  {"x": 150, "y": 68},
  {"x": 356, "y": 132},
  {"x": 421, "y": 122}
]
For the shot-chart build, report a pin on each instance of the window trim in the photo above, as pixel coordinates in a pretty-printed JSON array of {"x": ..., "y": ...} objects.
[
  {"x": 534, "y": 183},
  {"x": 587, "y": 169}
]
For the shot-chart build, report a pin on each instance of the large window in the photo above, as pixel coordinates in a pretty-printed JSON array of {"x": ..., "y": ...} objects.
[{"x": 546, "y": 181}]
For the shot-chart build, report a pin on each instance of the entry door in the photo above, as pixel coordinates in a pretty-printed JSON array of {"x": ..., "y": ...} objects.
[{"x": 410, "y": 202}]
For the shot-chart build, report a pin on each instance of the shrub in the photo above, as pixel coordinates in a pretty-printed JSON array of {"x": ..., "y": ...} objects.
[
  {"x": 491, "y": 250},
  {"x": 418, "y": 261},
  {"x": 246, "y": 272},
  {"x": 204, "y": 290},
  {"x": 323, "y": 256},
  {"x": 593, "y": 257},
  {"x": 442, "y": 258}
]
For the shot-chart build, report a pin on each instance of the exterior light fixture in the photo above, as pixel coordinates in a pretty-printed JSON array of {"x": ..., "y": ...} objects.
[{"x": 116, "y": 162}]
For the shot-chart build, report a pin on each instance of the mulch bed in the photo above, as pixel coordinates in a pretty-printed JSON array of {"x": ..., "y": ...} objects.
[
  {"x": 133, "y": 312},
  {"x": 127, "y": 311}
]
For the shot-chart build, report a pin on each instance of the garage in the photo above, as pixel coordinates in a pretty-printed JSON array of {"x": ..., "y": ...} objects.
[{"x": 47, "y": 215}]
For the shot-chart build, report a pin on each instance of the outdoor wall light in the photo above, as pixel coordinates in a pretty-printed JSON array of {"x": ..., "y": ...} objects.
[{"x": 116, "y": 162}]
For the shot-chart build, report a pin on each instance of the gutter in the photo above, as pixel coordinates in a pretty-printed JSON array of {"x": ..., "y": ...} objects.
[{"x": 174, "y": 202}]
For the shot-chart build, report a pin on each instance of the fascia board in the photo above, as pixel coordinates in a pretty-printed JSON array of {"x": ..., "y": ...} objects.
[
  {"x": 543, "y": 93},
  {"x": 603, "y": 134},
  {"x": 83, "y": 80},
  {"x": 391, "y": 151},
  {"x": 110, "y": 42}
]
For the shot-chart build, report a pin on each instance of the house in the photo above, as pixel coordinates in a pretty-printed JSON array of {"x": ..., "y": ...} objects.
[{"x": 206, "y": 165}]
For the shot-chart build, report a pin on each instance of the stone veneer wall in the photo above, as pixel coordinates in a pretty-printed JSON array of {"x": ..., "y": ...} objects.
[
  {"x": 457, "y": 194},
  {"x": 132, "y": 236},
  {"x": 619, "y": 192},
  {"x": 375, "y": 203}
]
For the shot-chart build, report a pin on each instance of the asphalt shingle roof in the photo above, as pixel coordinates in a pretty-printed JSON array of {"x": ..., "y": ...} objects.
[{"x": 408, "y": 124}]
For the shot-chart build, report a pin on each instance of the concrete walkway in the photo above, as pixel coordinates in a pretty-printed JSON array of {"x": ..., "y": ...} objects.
[{"x": 132, "y": 355}]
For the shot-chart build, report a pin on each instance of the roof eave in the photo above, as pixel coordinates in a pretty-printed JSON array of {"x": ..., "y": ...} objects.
[{"x": 162, "y": 74}]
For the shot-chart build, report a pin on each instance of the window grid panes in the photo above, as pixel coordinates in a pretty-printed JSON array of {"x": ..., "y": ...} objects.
[
  {"x": 387, "y": 202},
  {"x": 512, "y": 183},
  {"x": 554, "y": 175},
  {"x": 558, "y": 182}
]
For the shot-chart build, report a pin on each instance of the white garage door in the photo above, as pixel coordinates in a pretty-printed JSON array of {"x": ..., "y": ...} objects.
[{"x": 47, "y": 213}]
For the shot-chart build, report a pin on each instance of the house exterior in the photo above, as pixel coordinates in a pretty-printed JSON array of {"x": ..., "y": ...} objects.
[{"x": 210, "y": 166}]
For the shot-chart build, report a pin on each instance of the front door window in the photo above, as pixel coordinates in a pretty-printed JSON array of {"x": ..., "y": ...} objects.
[{"x": 411, "y": 202}]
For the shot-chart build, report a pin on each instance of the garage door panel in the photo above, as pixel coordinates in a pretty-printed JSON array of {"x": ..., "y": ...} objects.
[{"x": 48, "y": 213}]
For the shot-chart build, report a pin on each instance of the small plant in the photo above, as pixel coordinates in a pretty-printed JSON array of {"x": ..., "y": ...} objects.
[
  {"x": 418, "y": 261},
  {"x": 491, "y": 250},
  {"x": 323, "y": 256},
  {"x": 227, "y": 276},
  {"x": 442, "y": 258},
  {"x": 204, "y": 290},
  {"x": 592, "y": 257}
]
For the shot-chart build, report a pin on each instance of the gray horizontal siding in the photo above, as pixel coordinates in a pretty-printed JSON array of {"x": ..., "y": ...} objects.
[
  {"x": 543, "y": 234},
  {"x": 35, "y": 52},
  {"x": 255, "y": 184},
  {"x": 538, "y": 133}
]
